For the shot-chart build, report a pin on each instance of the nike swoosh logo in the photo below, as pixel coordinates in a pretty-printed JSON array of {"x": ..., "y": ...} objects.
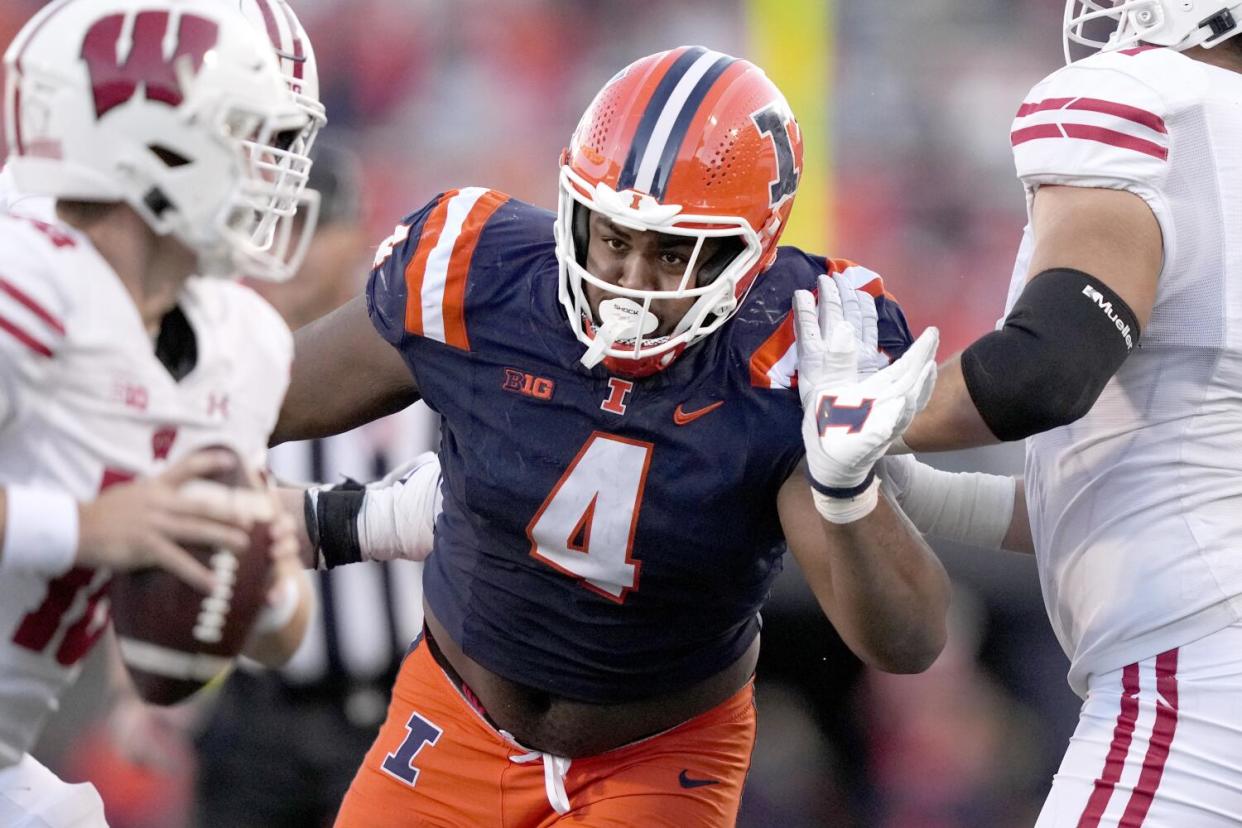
[
  {"x": 687, "y": 782},
  {"x": 682, "y": 417}
]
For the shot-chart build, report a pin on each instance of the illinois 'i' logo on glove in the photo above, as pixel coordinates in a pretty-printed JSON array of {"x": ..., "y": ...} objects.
[{"x": 850, "y": 417}]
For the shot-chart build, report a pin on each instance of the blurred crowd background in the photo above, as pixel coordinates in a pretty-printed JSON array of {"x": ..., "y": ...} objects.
[{"x": 917, "y": 100}]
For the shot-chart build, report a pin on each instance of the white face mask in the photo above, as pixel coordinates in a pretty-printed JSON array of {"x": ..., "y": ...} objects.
[{"x": 625, "y": 315}]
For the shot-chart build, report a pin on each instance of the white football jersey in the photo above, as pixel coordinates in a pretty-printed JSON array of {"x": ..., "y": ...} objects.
[
  {"x": 84, "y": 403},
  {"x": 1136, "y": 508}
]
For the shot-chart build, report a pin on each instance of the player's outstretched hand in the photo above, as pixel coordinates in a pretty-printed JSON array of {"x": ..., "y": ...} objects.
[
  {"x": 827, "y": 341},
  {"x": 858, "y": 308},
  {"x": 849, "y": 421},
  {"x": 147, "y": 522}
]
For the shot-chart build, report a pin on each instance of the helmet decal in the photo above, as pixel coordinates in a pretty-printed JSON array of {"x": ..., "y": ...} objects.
[
  {"x": 667, "y": 118},
  {"x": 114, "y": 82},
  {"x": 775, "y": 124}
]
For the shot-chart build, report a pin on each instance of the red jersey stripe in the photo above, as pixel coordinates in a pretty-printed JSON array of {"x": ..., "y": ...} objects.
[
  {"x": 24, "y": 338},
  {"x": 1028, "y": 108},
  {"x": 1123, "y": 734},
  {"x": 1021, "y": 136},
  {"x": 1116, "y": 139},
  {"x": 874, "y": 287},
  {"x": 31, "y": 305},
  {"x": 1161, "y": 742},
  {"x": 454, "y": 308},
  {"x": 1089, "y": 133},
  {"x": 417, "y": 267},
  {"x": 1124, "y": 111},
  {"x": 770, "y": 353}
]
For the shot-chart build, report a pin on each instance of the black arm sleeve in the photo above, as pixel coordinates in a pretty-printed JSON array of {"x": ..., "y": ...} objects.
[{"x": 1063, "y": 341}]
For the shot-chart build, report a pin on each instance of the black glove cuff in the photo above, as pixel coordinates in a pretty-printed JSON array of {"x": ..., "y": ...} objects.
[
  {"x": 842, "y": 493},
  {"x": 336, "y": 520}
]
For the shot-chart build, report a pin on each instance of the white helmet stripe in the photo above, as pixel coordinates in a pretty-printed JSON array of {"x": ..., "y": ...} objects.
[{"x": 649, "y": 166}]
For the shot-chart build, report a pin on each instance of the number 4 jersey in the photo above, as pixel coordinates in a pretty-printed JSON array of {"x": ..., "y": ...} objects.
[
  {"x": 84, "y": 403},
  {"x": 604, "y": 539}
]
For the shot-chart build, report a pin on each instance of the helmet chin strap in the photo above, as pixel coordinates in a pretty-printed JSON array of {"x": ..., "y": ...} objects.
[{"x": 621, "y": 319}]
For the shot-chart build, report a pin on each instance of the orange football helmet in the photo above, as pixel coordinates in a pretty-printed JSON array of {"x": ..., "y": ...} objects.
[{"x": 688, "y": 142}]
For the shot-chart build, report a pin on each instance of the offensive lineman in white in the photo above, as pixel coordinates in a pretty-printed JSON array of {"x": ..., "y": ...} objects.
[
  {"x": 1130, "y": 160},
  {"x": 156, "y": 125}
]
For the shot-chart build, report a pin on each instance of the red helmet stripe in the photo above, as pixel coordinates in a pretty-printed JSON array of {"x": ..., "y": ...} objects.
[{"x": 299, "y": 51}]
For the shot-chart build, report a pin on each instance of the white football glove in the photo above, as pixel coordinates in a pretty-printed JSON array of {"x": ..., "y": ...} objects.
[
  {"x": 859, "y": 310},
  {"x": 849, "y": 421}
]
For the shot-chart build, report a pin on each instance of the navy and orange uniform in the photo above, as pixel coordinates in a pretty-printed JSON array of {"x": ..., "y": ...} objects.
[{"x": 603, "y": 539}]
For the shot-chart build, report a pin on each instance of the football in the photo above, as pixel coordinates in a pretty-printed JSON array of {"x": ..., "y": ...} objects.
[{"x": 173, "y": 638}]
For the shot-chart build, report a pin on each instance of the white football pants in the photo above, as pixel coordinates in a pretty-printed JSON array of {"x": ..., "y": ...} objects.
[
  {"x": 31, "y": 796},
  {"x": 1158, "y": 744}
]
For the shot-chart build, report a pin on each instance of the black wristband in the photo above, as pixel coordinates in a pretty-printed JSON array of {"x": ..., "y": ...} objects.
[
  {"x": 1065, "y": 338},
  {"x": 337, "y": 519},
  {"x": 842, "y": 493}
]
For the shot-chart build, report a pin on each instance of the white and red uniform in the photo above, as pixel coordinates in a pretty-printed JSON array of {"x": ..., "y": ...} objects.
[
  {"x": 1136, "y": 509},
  {"x": 85, "y": 403}
]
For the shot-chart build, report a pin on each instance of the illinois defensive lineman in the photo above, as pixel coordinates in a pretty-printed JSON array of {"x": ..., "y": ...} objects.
[
  {"x": 622, "y": 451},
  {"x": 158, "y": 128},
  {"x": 1120, "y": 362}
]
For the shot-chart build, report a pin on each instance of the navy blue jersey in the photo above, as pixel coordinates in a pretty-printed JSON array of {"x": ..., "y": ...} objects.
[{"x": 604, "y": 539}]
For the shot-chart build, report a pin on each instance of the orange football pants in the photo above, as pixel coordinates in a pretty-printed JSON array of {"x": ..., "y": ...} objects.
[{"x": 438, "y": 762}]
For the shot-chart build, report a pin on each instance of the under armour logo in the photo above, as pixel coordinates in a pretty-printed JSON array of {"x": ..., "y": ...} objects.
[
  {"x": 218, "y": 404},
  {"x": 850, "y": 417}
]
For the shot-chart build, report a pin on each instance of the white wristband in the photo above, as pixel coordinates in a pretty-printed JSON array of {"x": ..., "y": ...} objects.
[
  {"x": 273, "y": 617},
  {"x": 398, "y": 517},
  {"x": 970, "y": 507},
  {"x": 847, "y": 509},
  {"x": 40, "y": 531}
]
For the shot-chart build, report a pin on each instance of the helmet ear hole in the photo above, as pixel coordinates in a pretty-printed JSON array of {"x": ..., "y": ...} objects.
[
  {"x": 581, "y": 230},
  {"x": 170, "y": 159},
  {"x": 157, "y": 202},
  {"x": 730, "y": 248}
]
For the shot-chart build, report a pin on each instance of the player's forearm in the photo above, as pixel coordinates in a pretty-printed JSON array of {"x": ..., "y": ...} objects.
[
  {"x": 950, "y": 421},
  {"x": 1018, "y": 537},
  {"x": 875, "y": 579},
  {"x": 344, "y": 375},
  {"x": 292, "y": 500},
  {"x": 275, "y": 643},
  {"x": 890, "y": 594}
]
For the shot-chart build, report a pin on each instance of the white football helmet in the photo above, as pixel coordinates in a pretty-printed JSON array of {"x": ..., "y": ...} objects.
[
  {"x": 1178, "y": 24},
  {"x": 296, "y": 56},
  {"x": 177, "y": 108}
]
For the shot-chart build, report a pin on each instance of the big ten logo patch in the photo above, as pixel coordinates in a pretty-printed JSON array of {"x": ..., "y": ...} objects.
[
  {"x": 131, "y": 394},
  {"x": 529, "y": 385}
]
